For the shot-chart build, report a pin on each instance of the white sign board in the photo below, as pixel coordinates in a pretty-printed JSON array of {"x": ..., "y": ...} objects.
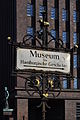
[{"x": 43, "y": 60}]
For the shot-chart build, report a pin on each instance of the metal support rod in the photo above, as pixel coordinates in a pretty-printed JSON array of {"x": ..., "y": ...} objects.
[
  {"x": 43, "y": 110},
  {"x": 44, "y": 45},
  {"x": 44, "y": 27},
  {"x": 44, "y": 35},
  {"x": 43, "y": 98}
]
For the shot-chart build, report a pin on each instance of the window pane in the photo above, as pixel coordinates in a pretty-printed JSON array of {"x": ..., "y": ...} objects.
[
  {"x": 53, "y": 33},
  {"x": 75, "y": 83},
  {"x": 78, "y": 111},
  {"x": 65, "y": 83},
  {"x": 30, "y": 30},
  {"x": 75, "y": 61},
  {"x": 74, "y": 16},
  {"x": 64, "y": 37},
  {"x": 53, "y": 13},
  {"x": 29, "y": 10},
  {"x": 41, "y": 9},
  {"x": 64, "y": 15},
  {"x": 74, "y": 38}
]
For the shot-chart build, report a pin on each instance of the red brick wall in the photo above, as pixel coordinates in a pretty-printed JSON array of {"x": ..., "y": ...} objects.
[
  {"x": 70, "y": 109},
  {"x": 22, "y": 109}
]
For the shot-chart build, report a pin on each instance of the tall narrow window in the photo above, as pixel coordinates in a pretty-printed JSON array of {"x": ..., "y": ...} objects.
[
  {"x": 64, "y": 36},
  {"x": 64, "y": 83},
  {"x": 29, "y": 9},
  {"x": 41, "y": 8},
  {"x": 53, "y": 15},
  {"x": 53, "y": 33},
  {"x": 77, "y": 111},
  {"x": 74, "y": 16},
  {"x": 30, "y": 30},
  {"x": 64, "y": 14},
  {"x": 75, "y": 61},
  {"x": 75, "y": 83},
  {"x": 74, "y": 38}
]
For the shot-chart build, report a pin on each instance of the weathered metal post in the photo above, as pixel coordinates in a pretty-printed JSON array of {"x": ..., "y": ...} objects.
[
  {"x": 44, "y": 46},
  {"x": 43, "y": 98}
]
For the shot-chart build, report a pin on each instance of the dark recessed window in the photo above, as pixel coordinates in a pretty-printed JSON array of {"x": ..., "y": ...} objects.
[
  {"x": 75, "y": 83},
  {"x": 41, "y": 9},
  {"x": 53, "y": 11},
  {"x": 53, "y": 33},
  {"x": 64, "y": 83},
  {"x": 74, "y": 38},
  {"x": 75, "y": 61},
  {"x": 77, "y": 111},
  {"x": 64, "y": 36},
  {"x": 64, "y": 14},
  {"x": 74, "y": 16},
  {"x": 29, "y": 9},
  {"x": 30, "y": 30}
]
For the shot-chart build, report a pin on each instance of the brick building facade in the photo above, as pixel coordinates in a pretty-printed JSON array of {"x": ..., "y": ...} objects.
[{"x": 63, "y": 16}]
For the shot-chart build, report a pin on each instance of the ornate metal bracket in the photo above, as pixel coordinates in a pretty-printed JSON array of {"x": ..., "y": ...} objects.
[{"x": 43, "y": 84}]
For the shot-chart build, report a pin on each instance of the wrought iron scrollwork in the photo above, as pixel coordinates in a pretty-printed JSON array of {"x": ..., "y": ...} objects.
[
  {"x": 28, "y": 38},
  {"x": 34, "y": 85}
]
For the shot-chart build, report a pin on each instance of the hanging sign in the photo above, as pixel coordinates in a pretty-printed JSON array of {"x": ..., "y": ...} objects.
[{"x": 43, "y": 60}]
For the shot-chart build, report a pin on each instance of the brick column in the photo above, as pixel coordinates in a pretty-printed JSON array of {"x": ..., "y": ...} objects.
[
  {"x": 70, "y": 109},
  {"x": 22, "y": 109},
  {"x": 22, "y": 22}
]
